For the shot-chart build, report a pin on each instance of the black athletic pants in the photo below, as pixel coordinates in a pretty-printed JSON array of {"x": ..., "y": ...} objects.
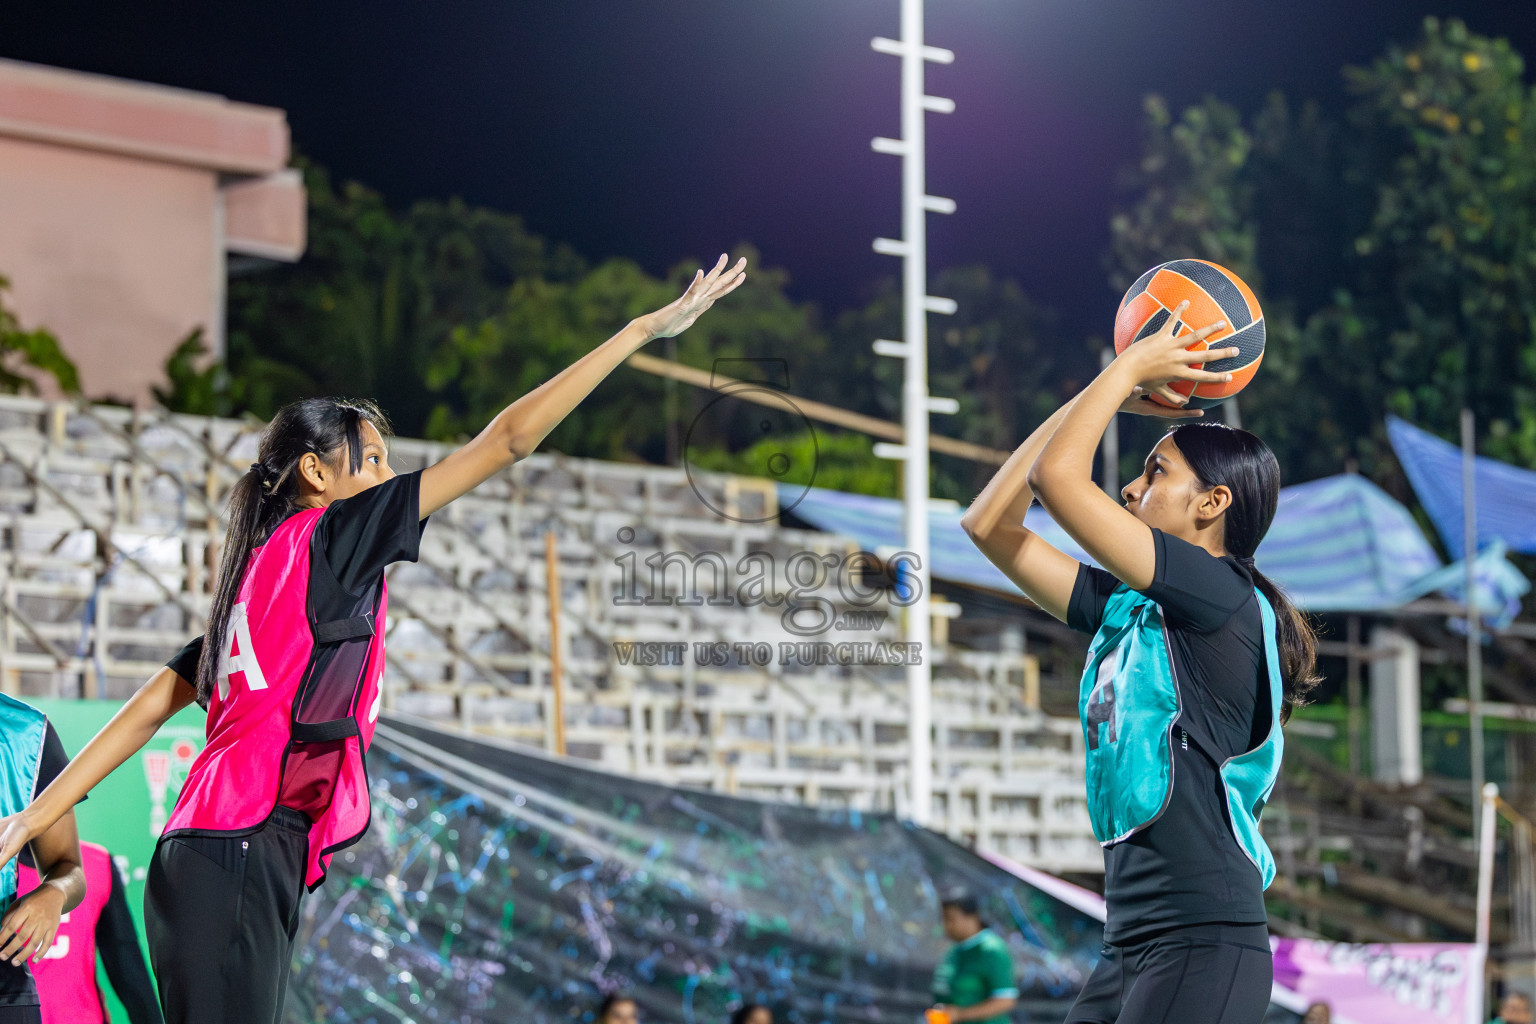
[
  {"x": 1200, "y": 974},
  {"x": 221, "y": 913}
]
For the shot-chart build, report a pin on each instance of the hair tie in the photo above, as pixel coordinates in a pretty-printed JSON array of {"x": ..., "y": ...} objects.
[
  {"x": 1246, "y": 560},
  {"x": 261, "y": 475}
]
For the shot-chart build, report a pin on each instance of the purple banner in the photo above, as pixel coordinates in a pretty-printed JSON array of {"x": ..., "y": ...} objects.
[{"x": 1405, "y": 983}]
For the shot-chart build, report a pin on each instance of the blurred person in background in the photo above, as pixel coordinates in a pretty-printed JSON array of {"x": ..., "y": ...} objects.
[
  {"x": 752, "y": 1013},
  {"x": 31, "y": 756},
  {"x": 618, "y": 1009},
  {"x": 66, "y": 972},
  {"x": 975, "y": 984},
  {"x": 1318, "y": 1013},
  {"x": 1514, "y": 1008}
]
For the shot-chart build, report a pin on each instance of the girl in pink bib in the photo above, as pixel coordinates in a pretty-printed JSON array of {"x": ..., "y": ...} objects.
[{"x": 289, "y": 673}]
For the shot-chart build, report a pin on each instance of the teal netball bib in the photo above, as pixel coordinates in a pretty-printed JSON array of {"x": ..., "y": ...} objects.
[
  {"x": 23, "y": 728},
  {"x": 1129, "y": 701}
]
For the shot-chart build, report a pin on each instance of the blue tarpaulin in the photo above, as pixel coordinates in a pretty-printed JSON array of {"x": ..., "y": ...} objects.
[
  {"x": 876, "y": 524},
  {"x": 1506, "y": 495},
  {"x": 1343, "y": 544},
  {"x": 1337, "y": 544}
]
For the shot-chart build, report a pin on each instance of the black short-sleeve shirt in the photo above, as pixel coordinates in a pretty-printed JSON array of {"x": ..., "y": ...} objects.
[
  {"x": 1187, "y": 867},
  {"x": 363, "y": 534},
  {"x": 360, "y": 536},
  {"x": 16, "y": 985}
]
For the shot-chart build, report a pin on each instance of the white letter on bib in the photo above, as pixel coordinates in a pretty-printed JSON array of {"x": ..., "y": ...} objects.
[{"x": 239, "y": 630}]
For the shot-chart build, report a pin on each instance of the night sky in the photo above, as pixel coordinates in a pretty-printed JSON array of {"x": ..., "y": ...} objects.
[{"x": 668, "y": 129}]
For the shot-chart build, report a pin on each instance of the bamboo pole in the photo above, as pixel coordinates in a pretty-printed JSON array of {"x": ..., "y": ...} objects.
[
  {"x": 556, "y": 682},
  {"x": 871, "y": 425}
]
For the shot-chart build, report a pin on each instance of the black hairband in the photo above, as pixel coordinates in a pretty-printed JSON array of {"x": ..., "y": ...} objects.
[{"x": 262, "y": 476}]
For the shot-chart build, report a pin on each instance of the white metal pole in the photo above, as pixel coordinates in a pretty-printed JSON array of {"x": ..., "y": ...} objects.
[
  {"x": 915, "y": 400},
  {"x": 1488, "y": 803},
  {"x": 914, "y": 403},
  {"x": 1474, "y": 616}
]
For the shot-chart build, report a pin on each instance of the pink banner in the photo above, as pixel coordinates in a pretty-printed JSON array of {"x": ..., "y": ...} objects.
[{"x": 1404, "y": 983}]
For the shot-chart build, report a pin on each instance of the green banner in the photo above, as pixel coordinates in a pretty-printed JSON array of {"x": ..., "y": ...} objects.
[{"x": 127, "y": 811}]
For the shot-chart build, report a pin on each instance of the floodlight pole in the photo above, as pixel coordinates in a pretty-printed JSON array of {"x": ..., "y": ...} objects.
[{"x": 916, "y": 404}]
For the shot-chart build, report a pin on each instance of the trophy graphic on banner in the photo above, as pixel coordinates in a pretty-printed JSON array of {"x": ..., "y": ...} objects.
[
  {"x": 183, "y": 753},
  {"x": 164, "y": 769},
  {"x": 157, "y": 772}
]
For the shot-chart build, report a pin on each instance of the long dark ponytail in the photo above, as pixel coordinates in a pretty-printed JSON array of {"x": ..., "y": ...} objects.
[
  {"x": 269, "y": 493},
  {"x": 1219, "y": 454}
]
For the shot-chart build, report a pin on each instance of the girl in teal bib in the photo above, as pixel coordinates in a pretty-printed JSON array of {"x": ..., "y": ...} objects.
[{"x": 1195, "y": 661}]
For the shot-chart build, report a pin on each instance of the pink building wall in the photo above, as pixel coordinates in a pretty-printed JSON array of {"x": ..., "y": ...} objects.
[{"x": 119, "y": 204}]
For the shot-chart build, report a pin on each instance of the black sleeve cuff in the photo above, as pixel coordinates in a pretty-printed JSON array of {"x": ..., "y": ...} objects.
[
  {"x": 414, "y": 547},
  {"x": 1077, "y": 608},
  {"x": 184, "y": 662},
  {"x": 1160, "y": 558}
]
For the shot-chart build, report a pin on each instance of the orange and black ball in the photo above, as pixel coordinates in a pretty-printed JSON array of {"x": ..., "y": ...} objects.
[{"x": 1214, "y": 293}]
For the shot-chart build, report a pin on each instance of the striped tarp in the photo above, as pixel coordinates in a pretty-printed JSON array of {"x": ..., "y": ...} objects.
[
  {"x": 1505, "y": 494},
  {"x": 1343, "y": 544}
]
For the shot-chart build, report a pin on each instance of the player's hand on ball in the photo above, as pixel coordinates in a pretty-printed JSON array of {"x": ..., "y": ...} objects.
[
  {"x": 677, "y": 316},
  {"x": 1140, "y": 404},
  {"x": 1157, "y": 361}
]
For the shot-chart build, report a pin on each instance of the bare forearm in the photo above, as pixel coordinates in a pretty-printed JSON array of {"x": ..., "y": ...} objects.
[
  {"x": 1006, "y": 498},
  {"x": 125, "y": 735},
  {"x": 526, "y": 422},
  {"x": 1071, "y": 447},
  {"x": 519, "y": 428},
  {"x": 995, "y": 523},
  {"x": 982, "y": 1010},
  {"x": 68, "y": 877}
]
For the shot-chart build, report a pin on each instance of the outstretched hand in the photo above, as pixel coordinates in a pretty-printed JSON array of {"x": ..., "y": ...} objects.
[
  {"x": 1157, "y": 361},
  {"x": 677, "y": 316}
]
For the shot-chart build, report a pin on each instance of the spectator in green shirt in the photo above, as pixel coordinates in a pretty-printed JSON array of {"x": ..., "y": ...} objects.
[
  {"x": 1514, "y": 1008},
  {"x": 975, "y": 983}
]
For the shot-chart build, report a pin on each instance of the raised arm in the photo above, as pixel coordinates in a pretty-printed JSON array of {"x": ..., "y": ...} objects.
[
  {"x": 995, "y": 523},
  {"x": 1062, "y": 475},
  {"x": 517, "y": 430},
  {"x": 995, "y": 520},
  {"x": 125, "y": 735}
]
